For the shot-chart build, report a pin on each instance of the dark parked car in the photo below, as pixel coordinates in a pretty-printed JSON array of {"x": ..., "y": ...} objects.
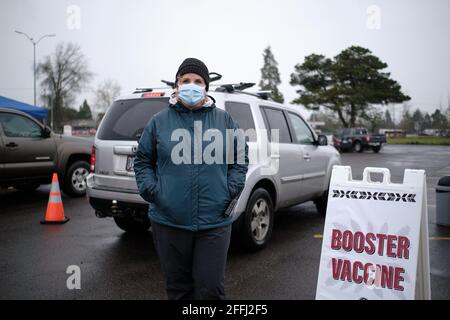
[
  {"x": 30, "y": 152},
  {"x": 357, "y": 139}
]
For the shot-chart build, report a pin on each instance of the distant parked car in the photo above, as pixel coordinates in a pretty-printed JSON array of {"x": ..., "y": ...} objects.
[
  {"x": 30, "y": 153},
  {"x": 357, "y": 140}
]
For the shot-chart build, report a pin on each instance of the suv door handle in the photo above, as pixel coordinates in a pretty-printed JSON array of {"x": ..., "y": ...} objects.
[
  {"x": 307, "y": 156},
  {"x": 12, "y": 145}
]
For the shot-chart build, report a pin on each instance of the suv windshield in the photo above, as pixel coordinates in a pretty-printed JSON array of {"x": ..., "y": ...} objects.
[
  {"x": 342, "y": 132},
  {"x": 126, "y": 119}
]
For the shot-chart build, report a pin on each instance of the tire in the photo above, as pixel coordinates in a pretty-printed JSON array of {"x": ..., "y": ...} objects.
[
  {"x": 27, "y": 187},
  {"x": 376, "y": 149},
  {"x": 321, "y": 203},
  {"x": 75, "y": 180},
  {"x": 257, "y": 221},
  {"x": 131, "y": 225},
  {"x": 358, "y": 147}
]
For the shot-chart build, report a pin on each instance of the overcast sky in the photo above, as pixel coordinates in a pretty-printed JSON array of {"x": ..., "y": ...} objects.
[{"x": 139, "y": 42}]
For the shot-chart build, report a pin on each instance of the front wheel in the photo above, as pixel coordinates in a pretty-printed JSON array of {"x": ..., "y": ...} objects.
[
  {"x": 376, "y": 149},
  {"x": 75, "y": 179},
  {"x": 257, "y": 220},
  {"x": 358, "y": 147}
]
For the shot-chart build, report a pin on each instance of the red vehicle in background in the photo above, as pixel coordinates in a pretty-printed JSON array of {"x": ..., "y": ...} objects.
[{"x": 357, "y": 140}]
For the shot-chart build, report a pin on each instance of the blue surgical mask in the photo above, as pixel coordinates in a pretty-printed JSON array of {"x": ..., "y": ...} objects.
[{"x": 191, "y": 94}]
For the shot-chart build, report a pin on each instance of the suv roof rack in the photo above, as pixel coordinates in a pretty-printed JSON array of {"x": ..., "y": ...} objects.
[
  {"x": 264, "y": 94},
  {"x": 239, "y": 87},
  {"x": 229, "y": 87},
  {"x": 213, "y": 76}
]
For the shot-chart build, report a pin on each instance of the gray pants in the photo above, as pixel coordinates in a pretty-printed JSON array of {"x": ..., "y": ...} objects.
[{"x": 193, "y": 263}]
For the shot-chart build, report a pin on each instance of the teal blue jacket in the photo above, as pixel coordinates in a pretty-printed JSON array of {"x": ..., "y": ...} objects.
[{"x": 192, "y": 195}]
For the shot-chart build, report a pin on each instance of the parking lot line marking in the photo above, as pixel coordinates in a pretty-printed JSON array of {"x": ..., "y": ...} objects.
[
  {"x": 440, "y": 238},
  {"x": 320, "y": 236}
]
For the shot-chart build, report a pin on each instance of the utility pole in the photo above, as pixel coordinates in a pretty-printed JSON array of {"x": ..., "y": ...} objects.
[{"x": 34, "y": 55}]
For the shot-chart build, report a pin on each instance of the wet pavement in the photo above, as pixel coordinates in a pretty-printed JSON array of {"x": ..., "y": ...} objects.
[{"x": 115, "y": 265}]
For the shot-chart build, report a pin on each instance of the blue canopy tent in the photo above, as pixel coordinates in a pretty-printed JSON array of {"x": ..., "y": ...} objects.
[{"x": 37, "y": 112}]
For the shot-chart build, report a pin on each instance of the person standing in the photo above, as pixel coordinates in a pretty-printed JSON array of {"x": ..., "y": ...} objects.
[{"x": 187, "y": 197}]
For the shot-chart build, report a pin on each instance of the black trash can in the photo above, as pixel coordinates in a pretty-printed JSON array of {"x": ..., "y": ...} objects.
[{"x": 443, "y": 201}]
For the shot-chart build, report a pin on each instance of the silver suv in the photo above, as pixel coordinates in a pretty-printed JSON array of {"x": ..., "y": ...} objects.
[{"x": 303, "y": 161}]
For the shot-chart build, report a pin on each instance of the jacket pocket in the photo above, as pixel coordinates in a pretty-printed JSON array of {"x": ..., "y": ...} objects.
[
  {"x": 157, "y": 192},
  {"x": 231, "y": 195}
]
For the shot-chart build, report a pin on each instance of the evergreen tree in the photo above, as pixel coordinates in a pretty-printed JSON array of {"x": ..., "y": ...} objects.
[
  {"x": 85, "y": 111},
  {"x": 427, "y": 122},
  {"x": 417, "y": 116},
  {"x": 270, "y": 77},
  {"x": 349, "y": 84},
  {"x": 439, "y": 121}
]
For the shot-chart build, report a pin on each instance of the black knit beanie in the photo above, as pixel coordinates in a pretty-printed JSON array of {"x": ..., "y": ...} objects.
[{"x": 193, "y": 65}]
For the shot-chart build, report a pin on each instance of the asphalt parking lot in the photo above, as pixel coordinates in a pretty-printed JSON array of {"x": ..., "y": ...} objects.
[{"x": 114, "y": 265}]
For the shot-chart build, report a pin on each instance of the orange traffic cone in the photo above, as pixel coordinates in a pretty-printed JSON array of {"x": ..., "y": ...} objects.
[{"x": 55, "y": 209}]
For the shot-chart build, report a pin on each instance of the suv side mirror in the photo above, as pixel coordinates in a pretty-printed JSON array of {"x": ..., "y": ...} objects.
[
  {"x": 46, "y": 132},
  {"x": 322, "y": 140}
]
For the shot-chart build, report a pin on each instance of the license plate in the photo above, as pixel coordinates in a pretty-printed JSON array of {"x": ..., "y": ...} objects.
[{"x": 130, "y": 163}]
